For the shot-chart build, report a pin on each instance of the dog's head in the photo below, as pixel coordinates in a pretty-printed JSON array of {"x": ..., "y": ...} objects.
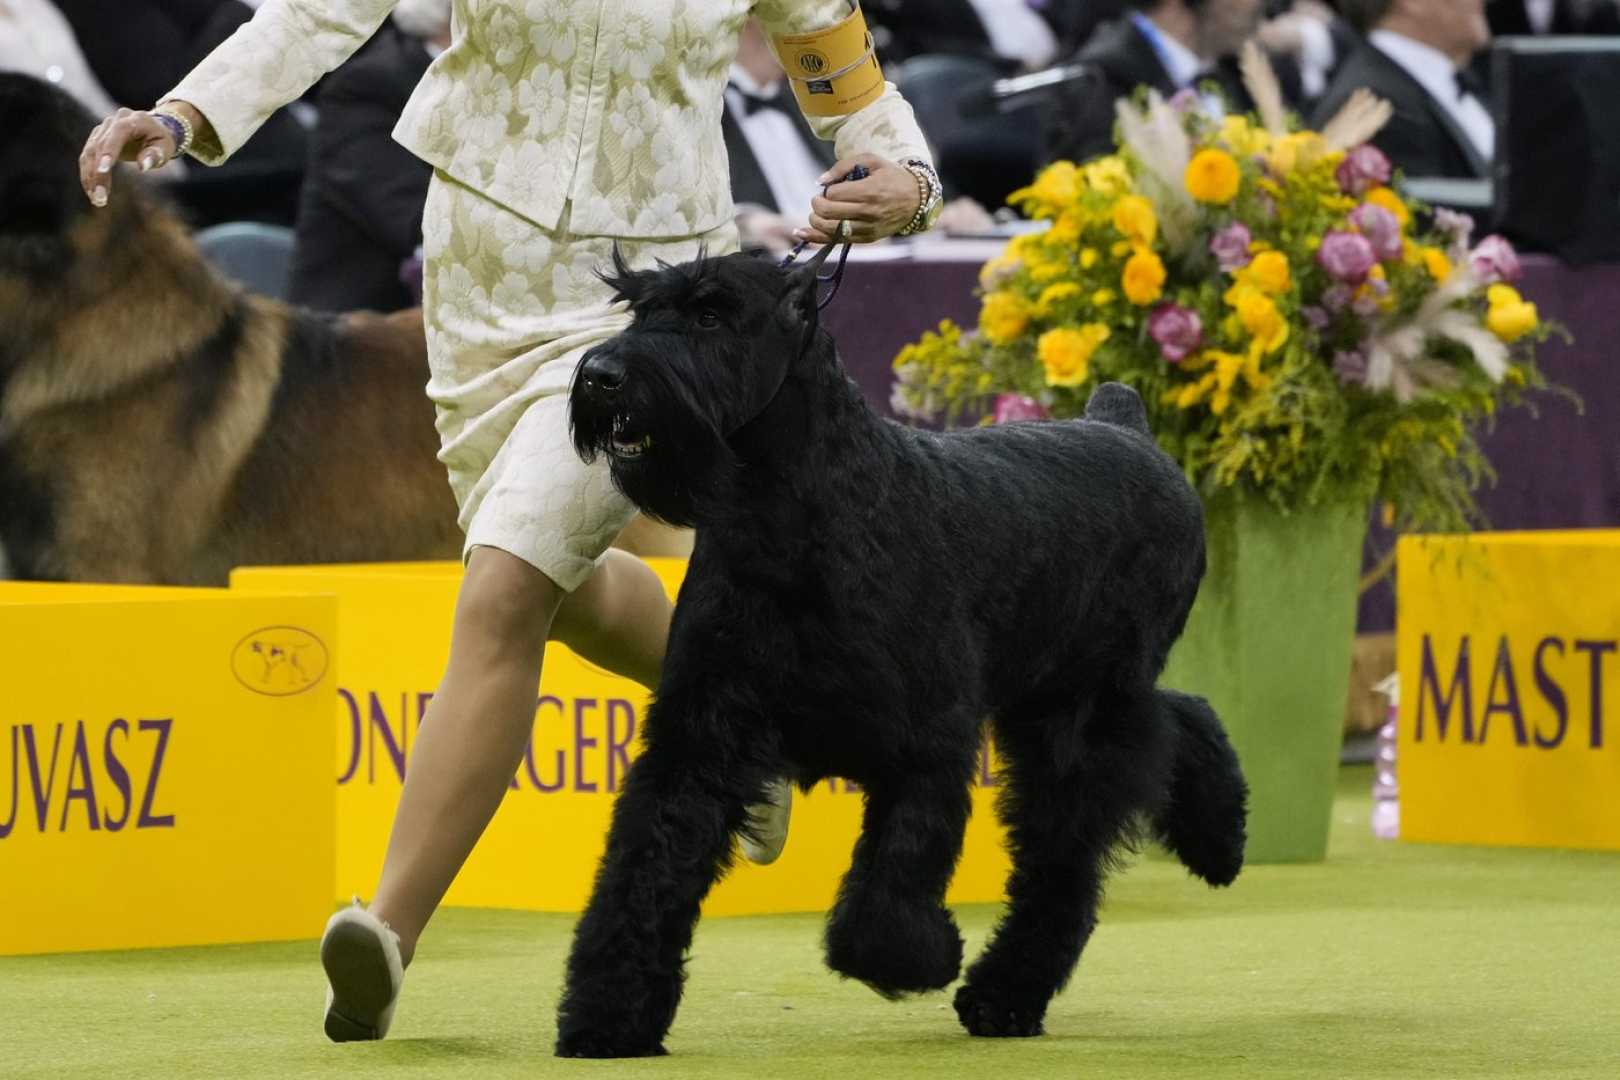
[
  {"x": 41, "y": 203},
  {"x": 711, "y": 343}
]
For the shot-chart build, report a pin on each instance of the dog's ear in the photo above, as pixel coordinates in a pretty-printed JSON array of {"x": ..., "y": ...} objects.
[
  {"x": 801, "y": 300},
  {"x": 627, "y": 284}
]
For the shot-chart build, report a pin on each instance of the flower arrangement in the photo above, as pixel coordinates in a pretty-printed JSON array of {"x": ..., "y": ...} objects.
[{"x": 1290, "y": 325}]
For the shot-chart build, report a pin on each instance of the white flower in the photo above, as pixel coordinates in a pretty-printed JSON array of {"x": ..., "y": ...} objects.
[
  {"x": 527, "y": 172},
  {"x": 642, "y": 35},
  {"x": 530, "y": 255},
  {"x": 551, "y": 32},
  {"x": 633, "y": 116},
  {"x": 542, "y": 98},
  {"x": 514, "y": 292},
  {"x": 504, "y": 34},
  {"x": 661, "y": 216},
  {"x": 488, "y": 103},
  {"x": 575, "y": 283},
  {"x": 675, "y": 167},
  {"x": 460, "y": 294}
]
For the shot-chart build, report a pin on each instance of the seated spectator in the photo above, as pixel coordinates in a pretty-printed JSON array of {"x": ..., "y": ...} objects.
[
  {"x": 1313, "y": 35},
  {"x": 1168, "y": 45},
  {"x": 1415, "y": 57},
  {"x": 360, "y": 216},
  {"x": 35, "y": 39},
  {"x": 1512, "y": 18}
]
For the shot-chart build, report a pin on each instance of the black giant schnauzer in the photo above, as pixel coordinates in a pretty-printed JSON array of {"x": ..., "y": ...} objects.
[{"x": 862, "y": 598}]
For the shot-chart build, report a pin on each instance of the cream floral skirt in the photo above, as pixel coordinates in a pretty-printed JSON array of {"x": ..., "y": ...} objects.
[{"x": 509, "y": 310}]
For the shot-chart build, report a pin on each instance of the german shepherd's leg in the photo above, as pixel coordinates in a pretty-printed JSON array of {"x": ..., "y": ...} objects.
[
  {"x": 684, "y": 799},
  {"x": 1076, "y": 780},
  {"x": 890, "y": 927}
]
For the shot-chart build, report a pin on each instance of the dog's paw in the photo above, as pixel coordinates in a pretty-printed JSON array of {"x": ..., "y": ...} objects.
[
  {"x": 985, "y": 1016},
  {"x": 911, "y": 953},
  {"x": 601, "y": 1044}
]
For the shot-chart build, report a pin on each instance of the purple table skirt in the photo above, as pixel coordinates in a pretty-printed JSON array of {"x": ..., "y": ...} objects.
[{"x": 1560, "y": 470}]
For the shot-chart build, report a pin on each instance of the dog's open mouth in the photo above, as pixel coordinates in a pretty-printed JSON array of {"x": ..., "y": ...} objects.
[{"x": 626, "y": 443}]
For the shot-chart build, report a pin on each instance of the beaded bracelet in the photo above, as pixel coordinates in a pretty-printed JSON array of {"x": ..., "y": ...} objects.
[{"x": 178, "y": 127}]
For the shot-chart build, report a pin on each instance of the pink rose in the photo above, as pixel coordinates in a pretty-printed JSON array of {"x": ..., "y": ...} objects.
[
  {"x": 1184, "y": 100},
  {"x": 1230, "y": 247},
  {"x": 1178, "y": 331},
  {"x": 1363, "y": 169},
  {"x": 1347, "y": 256},
  {"x": 1336, "y": 298},
  {"x": 1495, "y": 261},
  {"x": 1381, "y": 228},
  {"x": 1011, "y": 407},
  {"x": 1318, "y": 318}
]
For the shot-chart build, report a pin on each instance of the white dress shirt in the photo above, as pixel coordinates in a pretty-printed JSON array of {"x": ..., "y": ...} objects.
[
  {"x": 1016, "y": 32},
  {"x": 1435, "y": 72},
  {"x": 1540, "y": 13},
  {"x": 790, "y": 168},
  {"x": 35, "y": 39}
]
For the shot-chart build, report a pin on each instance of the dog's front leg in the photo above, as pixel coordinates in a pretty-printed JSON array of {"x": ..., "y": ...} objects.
[{"x": 670, "y": 840}]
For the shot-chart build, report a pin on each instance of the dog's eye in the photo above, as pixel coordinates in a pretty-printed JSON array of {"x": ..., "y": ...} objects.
[{"x": 708, "y": 318}]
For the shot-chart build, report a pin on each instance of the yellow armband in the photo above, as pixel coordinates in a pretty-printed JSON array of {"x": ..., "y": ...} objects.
[{"x": 834, "y": 72}]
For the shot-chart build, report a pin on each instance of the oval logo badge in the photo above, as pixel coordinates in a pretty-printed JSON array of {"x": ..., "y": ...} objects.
[
  {"x": 279, "y": 661},
  {"x": 813, "y": 62}
]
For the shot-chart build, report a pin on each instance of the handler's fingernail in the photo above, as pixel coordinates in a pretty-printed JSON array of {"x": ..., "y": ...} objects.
[
  {"x": 99, "y": 196},
  {"x": 148, "y": 163},
  {"x": 799, "y": 234},
  {"x": 106, "y": 164},
  {"x": 825, "y": 177}
]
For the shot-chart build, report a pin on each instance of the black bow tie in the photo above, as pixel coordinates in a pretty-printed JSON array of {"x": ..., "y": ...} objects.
[
  {"x": 782, "y": 101},
  {"x": 1470, "y": 85}
]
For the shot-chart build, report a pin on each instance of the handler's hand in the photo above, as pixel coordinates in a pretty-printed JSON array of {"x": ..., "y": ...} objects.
[
  {"x": 875, "y": 208},
  {"x": 126, "y": 135}
]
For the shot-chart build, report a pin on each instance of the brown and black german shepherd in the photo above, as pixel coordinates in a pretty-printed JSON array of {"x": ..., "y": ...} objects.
[{"x": 158, "y": 424}]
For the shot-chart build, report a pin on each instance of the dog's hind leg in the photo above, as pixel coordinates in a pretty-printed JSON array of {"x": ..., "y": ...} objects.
[
  {"x": 1203, "y": 820},
  {"x": 1075, "y": 782},
  {"x": 671, "y": 839},
  {"x": 890, "y": 927}
]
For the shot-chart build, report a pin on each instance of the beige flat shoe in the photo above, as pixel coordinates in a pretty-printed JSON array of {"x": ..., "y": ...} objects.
[
  {"x": 363, "y": 974},
  {"x": 768, "y": 825}
]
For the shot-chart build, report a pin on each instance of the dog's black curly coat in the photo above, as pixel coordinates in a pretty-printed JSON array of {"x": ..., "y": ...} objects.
[{"x": 862, "y": 598}]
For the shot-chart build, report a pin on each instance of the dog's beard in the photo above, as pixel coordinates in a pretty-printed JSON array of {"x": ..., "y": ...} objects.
[{"x": 660, "y": 448}]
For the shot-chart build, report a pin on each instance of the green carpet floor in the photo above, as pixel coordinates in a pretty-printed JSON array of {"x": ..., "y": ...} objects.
[{"x": 1389, "y": 960}]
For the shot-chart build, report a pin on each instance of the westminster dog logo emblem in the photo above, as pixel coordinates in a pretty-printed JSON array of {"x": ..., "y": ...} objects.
[{"x": 279, "y": 661}]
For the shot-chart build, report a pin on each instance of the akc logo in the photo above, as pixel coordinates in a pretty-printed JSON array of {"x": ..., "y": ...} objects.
[
  {"x": 279, "y": 661},
  {"x": 813, "y": 62}
]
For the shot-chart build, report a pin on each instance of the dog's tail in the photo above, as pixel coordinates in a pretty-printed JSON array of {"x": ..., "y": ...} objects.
[
  {"x": 1203, "y": 821},
  {"x": 1117, "y": 404}
]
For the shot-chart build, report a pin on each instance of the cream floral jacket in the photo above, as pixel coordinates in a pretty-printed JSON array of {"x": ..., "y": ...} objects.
[{"x": 613, "y": 105}]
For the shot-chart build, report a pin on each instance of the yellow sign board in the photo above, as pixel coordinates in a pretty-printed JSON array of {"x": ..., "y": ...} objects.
[
  {"x": 165, "y": 767},
  {"x": 540, "y": 852},
  {"x": 1508, "y": 647}
]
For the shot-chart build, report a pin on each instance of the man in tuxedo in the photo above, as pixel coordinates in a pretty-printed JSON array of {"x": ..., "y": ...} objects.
[
  {"x": 1169, "y": 45},
  {"x": 360, "y": 217},
  {"x": 1416, "y": 57}
]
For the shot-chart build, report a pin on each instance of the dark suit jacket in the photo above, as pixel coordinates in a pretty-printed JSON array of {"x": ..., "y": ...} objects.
[
  {"x": 1509, "y": 18},
  {"x": 748, "y": 183},
  {"x": 360, "y": 215},
  {"x": 906, "y": 28},
  {"x": 1122, "y": 59},
  {"x": 1421, "y": 138}
]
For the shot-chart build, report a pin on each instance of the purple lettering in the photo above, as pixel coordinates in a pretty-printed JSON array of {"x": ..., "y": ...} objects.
[
  {"x": 1553, "y": 693},
  {"x": 148, "y": 820},
  {"x": 562, "y": 767},
  {"x": 16, "y": 758},
  {"x": 1597, "y": 649},
  {"x": 1429, "y": 686},
  {"x": 618, "y": 762},
  {"x": 581, "y": 707},
  {"x": 42, "y": 798},
  {"x": 1502, "y": 674},
  {"x": 354, "y": 736},
  {"x": 379, "y": 721},
  {"x": 80, "y": 760},
  {"x": 119, "y": 774}
]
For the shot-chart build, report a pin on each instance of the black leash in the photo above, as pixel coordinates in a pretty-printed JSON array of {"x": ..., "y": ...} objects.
[{"x": 836, "y": 278}]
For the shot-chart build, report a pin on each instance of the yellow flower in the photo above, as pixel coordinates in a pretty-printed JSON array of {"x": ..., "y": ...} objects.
[
  {"x": 1066, "y": 230},
  {"x": 1143, "y": 279},
  {"x": 1102, "y": 297},
  {"x": 1435, "y": 261},
  {"x": 1003, "y": 317},
  {"x": 1383, "y": 196},
  {"x": 1107, "y": 176},
  {"x": 1213, "y": 177},
  {"x": 1300, "y": 150},
  {"x": 1268, "y": 273},
  {"x": 1055, "y": 294},
  {"x": 996, "y": 272},
  {"x": 1260, "y": 317},
  {"x": 1049, "y": 271},
  {"x": 1088, "y": 258},
  {"x": 1244, "y": 138},
  {"x": 1056, "y": 188},
  {"x": 1134, "y": 217},
  {"x": 1510, "y": 317},
  {"x": 1066, "y": 354}
]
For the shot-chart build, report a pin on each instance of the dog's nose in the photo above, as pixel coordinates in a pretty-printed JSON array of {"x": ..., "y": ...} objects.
[{"x": 603, "y": 371}]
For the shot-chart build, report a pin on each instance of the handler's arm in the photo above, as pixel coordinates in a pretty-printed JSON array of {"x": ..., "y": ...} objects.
[
  {"x": 270, "y": 61},
  {"x": 880, "y": 133}
]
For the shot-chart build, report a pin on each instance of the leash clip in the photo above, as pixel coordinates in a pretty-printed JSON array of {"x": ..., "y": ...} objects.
[{"x": 836, "y": 278}]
